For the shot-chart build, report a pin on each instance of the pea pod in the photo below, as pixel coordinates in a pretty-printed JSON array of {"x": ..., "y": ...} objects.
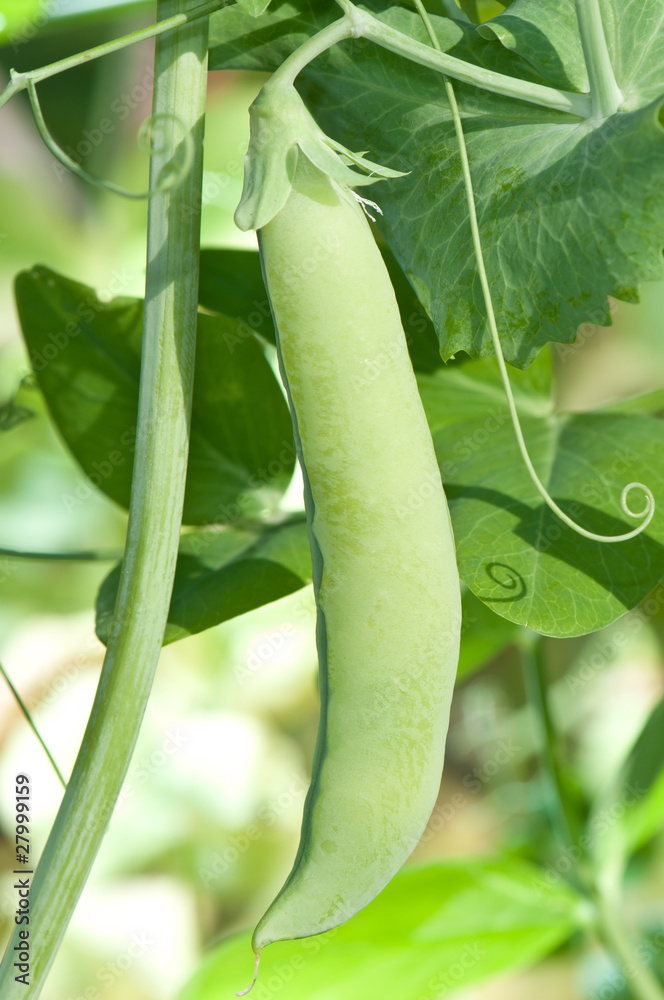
[{"x": 385, "y": 574}]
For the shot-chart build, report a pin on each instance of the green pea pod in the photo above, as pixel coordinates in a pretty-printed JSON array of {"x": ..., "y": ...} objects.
[{"x": 385, "y": 574}]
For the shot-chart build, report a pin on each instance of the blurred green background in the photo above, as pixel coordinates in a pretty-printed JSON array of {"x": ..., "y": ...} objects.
[{"x": 229, "y": 734}]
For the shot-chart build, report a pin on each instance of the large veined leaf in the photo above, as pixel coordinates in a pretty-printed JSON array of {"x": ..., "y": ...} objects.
[
  {"x": 557, "y": 237},
  {"x": 513, "y": 552},
  {"x": 434, "y": 929},
  {"x": 86, "y": 356},
  {"x": 222, "y": 574}
]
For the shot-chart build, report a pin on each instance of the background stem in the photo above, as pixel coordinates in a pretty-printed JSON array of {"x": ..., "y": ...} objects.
[
  {"x": 535, "y": 684},
  {"x": 642, "y": 982},
  {"x": 167, "y": 364},
  {"x": 31, "y": 722}
]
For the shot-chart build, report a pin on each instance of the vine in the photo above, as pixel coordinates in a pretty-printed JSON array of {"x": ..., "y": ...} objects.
[{"x": 169, "y": 333}]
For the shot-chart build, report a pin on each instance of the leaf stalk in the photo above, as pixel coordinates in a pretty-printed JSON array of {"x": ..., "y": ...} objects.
[
  {"x": 605, "y": 95},
  {"x": 387, "y": 37}
]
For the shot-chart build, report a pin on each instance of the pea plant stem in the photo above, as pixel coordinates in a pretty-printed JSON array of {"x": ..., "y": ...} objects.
[
  {"x": 606, "y": 906},
  {"x": 314, "y": 46},
  {"x": 155, "y": 510},
  {"x": 605, "y": 94},
  {"x": 536, "y": 691},
  {"x": 20, "y": 81},
  {"x": 370, "y": 27}
]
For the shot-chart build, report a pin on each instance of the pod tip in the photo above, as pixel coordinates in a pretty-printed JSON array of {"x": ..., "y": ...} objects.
[{"x": 249, "y": 988}]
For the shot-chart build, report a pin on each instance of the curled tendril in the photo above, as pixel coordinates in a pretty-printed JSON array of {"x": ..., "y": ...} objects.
[
  {"x": 646, "y": 515},
  {"x": 171, "y": 175},
  {"x": 649, "y": 510}
]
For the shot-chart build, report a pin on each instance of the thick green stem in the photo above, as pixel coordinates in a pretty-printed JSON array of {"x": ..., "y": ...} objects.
[
  {"x": 605, "y": 94},
  {"x": 642, "y": 982},
  {"x": 370, "y": 27},
  {"x": 314, "y": 46},
  {"x": 155, "y": 510},
  {"x": 19, "y": 81}
]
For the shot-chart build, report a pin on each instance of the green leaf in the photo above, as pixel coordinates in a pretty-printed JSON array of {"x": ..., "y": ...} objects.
[
  {"x": 86, "y": 356},
  {"x": 222, "y": 574},
  {"x": 631, "y": 810},
  {"x": 231, "y": 282},
  {"x": 434, "y": 928},
  {"x": 22, "y": 20},
  {"x": 513, "y": 552},
  {"x": 647, "y": 402},
  {"x": 557, "y": 238}
]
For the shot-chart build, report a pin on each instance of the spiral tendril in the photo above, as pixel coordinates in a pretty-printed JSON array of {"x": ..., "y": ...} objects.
[
  {"x": 171, "y": 176},
  {"x": 648, "y": 511}
]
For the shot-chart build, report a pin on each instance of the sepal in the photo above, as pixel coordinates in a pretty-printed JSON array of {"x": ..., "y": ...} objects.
[{"x": 282, "y": 129}]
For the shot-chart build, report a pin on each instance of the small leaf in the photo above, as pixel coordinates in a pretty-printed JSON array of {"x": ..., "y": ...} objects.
[
  {"x": 224, "y": 573},
  {"x": 434, "y": 929},
  {"x": 631, "y": 810},
  {"x": 86, "y": 356}
]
